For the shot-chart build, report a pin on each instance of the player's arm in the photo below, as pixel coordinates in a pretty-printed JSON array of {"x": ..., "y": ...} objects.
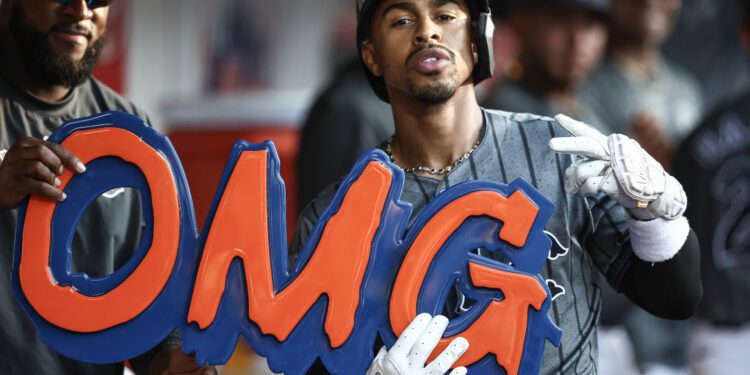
[
  {"x": 664, "y": 275},
  {"x": 670, "y": 289}
]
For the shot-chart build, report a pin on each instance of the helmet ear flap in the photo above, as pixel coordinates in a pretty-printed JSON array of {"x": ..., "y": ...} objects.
[{"x": 484, "y": 29}]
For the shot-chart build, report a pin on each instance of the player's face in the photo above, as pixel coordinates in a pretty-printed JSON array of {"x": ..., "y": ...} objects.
[
  {"x": 650, "y": 20},
  {"x": 421, "y": 48},
  {"x": 565, "y": 44},
  {"x": 63, "y": 37}
]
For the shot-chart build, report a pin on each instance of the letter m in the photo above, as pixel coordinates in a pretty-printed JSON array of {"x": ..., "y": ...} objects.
[{"x": 247, "y": 223}]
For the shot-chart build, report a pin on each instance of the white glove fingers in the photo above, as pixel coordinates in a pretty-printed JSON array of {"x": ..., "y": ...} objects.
[
  {"x": 381, "y": 353},
  {"x": 571, "y": 185},
  {"x": 610, "y": 186},
  {"x": 449, "y": 356},
  {"x": 577, "y": 174},
  {"x": 411, "y": 334},
  {"x": 427, "y": 341},
  {"x": 382, "y": 365},
  {"x": 458, "y": 371},
  {"x": 579, "y": 146},
  {"x": 591, "y": 186},
  {"x": 581, "y": 129}
]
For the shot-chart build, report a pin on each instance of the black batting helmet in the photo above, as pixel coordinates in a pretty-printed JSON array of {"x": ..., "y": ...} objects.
[{"x": 482, "y": 31}]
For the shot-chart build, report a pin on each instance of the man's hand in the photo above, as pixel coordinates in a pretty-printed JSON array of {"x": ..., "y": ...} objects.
[
  {"x": 413, "y": 348},
  {"x": 619, "y": 167},
  {"x": 32, "y": 166},
  {"x": 172, "y": 361}
]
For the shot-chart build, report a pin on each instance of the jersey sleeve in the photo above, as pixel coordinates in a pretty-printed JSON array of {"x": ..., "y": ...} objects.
[{"x": 607, "y": 238}]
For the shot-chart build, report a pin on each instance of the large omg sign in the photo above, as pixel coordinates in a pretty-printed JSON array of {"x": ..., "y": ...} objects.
[{"x": 362, "y": 273}]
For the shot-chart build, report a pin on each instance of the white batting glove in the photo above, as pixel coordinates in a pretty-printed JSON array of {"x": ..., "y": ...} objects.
[
  {"x": 411, "y": 350},
  {"x": 619, "y": 167},
  {"x": 2, "y": 155}
]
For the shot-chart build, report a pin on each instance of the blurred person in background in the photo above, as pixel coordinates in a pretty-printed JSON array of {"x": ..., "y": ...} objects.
[
  {"x": 637, "y": 91},
  {"x": 48, "y": 50},
  {"x": 706, "y": 43},
  {"x": 714, "y": 166},
  {"x": 561, "y": 43},
  {"x": 345, "y": 120}
]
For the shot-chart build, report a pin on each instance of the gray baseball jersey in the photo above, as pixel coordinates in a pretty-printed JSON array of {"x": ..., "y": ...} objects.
[
  {"x": 105, "y": 239},
  {"x": 588, "y": 236}
]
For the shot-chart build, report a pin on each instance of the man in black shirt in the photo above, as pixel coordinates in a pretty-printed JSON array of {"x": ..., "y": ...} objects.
[{"x": 47, "y": 52}]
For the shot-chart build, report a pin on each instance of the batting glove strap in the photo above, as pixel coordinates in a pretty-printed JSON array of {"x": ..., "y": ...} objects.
[{"x": 658, "y": 240}]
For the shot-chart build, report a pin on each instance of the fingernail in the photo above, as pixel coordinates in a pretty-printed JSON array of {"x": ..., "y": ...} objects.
[
  {"x": 461, "y": 344},
  {"x": 81, "y": 168},
  {"x": 57, "y": 181},
  {"x": 60, "y": 171},
  {"x": 64, "y": 196}
]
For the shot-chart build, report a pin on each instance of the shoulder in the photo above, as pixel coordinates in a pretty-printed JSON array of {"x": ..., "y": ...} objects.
[
  {"x": 526, "y": 122},
  {"x": 99, "y": 97}
]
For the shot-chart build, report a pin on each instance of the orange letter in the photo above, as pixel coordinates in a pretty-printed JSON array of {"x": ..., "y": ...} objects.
[
  {"x": 336, "y": 268},
  {"x": 501, "y": 328},
  {"x": 64, "y": 306}
]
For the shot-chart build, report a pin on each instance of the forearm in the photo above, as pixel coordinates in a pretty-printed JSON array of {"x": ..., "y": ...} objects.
[{"x": 669, "y": 289}]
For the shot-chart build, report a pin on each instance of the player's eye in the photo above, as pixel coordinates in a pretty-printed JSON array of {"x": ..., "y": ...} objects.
[
  {"x": 444, "y": 18},
  {"x": 402, "y": 22}
]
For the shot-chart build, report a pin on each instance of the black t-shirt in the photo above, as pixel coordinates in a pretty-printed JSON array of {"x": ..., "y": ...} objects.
[
  {"x": 714, "y": 168},
  {"x": 108, "y": 233}
]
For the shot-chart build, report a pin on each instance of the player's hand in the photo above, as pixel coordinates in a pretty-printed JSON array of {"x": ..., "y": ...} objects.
[
  {"x": 171, "y": 360},
  {"x": 619, "y": 167},
  {"x": 410, "y": 352},
  {"x": 32, "y": 166}
]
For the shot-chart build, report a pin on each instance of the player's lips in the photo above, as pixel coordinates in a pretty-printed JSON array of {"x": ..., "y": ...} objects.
[
  {"x": 74, "y": 33},
  {"x": 429, "y": 60}
]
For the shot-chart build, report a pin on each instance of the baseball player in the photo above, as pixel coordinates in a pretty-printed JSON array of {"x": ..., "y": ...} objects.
[{"x": 617, "y": 212}]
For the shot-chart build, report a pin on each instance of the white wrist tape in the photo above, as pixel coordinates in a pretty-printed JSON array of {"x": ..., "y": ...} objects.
[{"x": 658, "y": 240}]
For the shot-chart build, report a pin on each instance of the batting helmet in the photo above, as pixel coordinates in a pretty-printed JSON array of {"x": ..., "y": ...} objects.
[{"x": 482, "y": 31}]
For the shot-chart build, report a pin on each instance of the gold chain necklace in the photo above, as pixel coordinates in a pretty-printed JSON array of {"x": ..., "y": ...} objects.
[{"x": 436, "y": 171}]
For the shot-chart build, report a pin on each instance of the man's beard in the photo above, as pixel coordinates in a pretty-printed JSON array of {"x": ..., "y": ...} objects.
[
  {"x": 48, "y": 67},
  {"x": 434, "y": 92}
]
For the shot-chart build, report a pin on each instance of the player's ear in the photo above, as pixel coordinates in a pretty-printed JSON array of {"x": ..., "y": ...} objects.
[{"x": 370, "y": 58}]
